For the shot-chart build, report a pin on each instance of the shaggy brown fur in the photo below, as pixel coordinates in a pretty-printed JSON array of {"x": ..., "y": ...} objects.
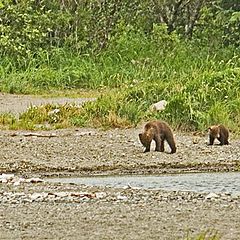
[
  {"x": 220, "y": 132},
  {"x": 158, "y": 131}
]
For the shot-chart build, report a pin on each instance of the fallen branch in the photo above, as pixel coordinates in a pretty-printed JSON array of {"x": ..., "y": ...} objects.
[{"x": 31, "y": 134}]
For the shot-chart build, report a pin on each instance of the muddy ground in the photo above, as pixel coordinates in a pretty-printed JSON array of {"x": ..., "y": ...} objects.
[{"x": 63, "y": 211}]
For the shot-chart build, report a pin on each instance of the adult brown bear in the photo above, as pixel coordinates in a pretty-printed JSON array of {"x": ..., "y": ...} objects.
[{"x": 159, "y": 131}]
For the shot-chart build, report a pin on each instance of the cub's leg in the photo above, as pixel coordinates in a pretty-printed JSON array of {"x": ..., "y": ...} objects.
[
  {"x": 223, "y": 140},
  {"x": 211, "y": 140}
]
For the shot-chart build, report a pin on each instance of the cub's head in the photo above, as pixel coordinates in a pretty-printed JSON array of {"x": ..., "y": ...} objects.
[
  {"x": 145, "y": 138},
  {"x": 214, "y": 131}
]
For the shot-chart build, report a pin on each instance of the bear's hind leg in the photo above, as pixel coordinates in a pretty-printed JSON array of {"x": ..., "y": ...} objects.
[
  {"x": 171, "y": 144},
  {"x": 162, "y": 145},
  {"x": 159, "y": 144}
]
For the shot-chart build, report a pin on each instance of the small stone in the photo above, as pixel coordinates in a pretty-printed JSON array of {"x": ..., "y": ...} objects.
[
  {"x": 3, "y": 180},
  {"x": 17, "y": 183},
  {"x": 100, "y": 195},
  {"x": 121, "y": 197},
  {"x": 34, "y": 180},
  {"x": 6, "y": 177},
  {"x": 37, "y": 196},
  {"x": 54, "y": 111},
  {"x": 62, "y": 194},
  {"x": 212, "y": 196}
]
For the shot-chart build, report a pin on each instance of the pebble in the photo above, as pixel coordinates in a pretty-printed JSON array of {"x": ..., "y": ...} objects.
[
  {"x": 120, "y": 197},
  {"x": 212, "y": 196}
]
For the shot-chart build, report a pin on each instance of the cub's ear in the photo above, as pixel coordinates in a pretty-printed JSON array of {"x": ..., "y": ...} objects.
[{"x": 140, "y": 135}]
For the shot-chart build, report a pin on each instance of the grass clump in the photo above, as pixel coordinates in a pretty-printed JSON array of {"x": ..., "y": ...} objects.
[
  {"x": 42, "y": 117},
  {"x": 112, "y": 110},
  {"x": 206, "y": 235},
  {"x": 7, "y": 119}
]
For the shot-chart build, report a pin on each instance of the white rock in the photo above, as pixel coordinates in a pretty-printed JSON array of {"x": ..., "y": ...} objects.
[
  {"x": 100, "y": 195},
  {"x": 3, "y": 180},
  {"x": 121, "y": 197},
  {"x": 18, "y": 195},
  {"x": 7, "y": 177},
  {"x": 54, "y": 111},
  {"x": 22, "y": 180},
  {"x": 62, "y": 194},
  {"x": 34, "y": 180},
  {"x": 36, "y": 196},
  {"x": 18, "y": 181},
  {"x": 159, "y": 106},
  {"x": 212, "y": 196}
]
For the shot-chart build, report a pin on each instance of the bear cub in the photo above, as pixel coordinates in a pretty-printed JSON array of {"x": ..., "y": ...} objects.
[
  {"x": 159, "y": 131},
  {"x": 220, "y": 132}
]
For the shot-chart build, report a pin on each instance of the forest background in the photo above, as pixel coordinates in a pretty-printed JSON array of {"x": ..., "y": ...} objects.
[{"x": 129, "y": 54}]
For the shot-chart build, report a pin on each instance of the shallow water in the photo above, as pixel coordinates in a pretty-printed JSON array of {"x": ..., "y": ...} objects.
[{"x": 198, "y": 182}]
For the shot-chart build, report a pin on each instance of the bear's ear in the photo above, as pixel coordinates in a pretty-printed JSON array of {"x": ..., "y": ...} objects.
[{"x": 140, "y": 135}]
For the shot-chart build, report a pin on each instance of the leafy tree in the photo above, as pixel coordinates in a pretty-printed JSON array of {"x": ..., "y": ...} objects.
[{"x": 231, "y": 10}]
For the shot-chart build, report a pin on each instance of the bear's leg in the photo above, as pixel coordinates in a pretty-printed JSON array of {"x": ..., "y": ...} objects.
[{"x": 159, "y": 144}]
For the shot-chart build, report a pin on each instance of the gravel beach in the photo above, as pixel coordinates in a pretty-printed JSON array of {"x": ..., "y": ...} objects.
[{"x": 43, "y": 210}]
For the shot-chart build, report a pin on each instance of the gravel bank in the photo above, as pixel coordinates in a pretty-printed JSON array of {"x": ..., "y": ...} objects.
[
  {"x": 46, "y": 210},
  {"x": 63, "y": 211},
  {"x": 91, "y": 151}
]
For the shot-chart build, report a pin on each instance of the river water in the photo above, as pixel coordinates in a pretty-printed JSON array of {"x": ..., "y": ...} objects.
[{"x": 199, "y": 182}]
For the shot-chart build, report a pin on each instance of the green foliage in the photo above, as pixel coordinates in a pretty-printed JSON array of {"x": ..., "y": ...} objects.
[
  {"x": 30, "y": 27},
  {"x": 120, "y": 46},
  {"x": 7, "y": 119},
  {"x": 21, "y": 32},
  {"x": 112, "y": 110},
  {"x": 47, "y": 116}
]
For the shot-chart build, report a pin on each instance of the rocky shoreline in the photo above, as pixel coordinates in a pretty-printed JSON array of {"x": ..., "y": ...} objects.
[
  {"x": 90, "y": 151},
  {"x": 35, "y": 209},
  {"x": 59, "y": 211}
]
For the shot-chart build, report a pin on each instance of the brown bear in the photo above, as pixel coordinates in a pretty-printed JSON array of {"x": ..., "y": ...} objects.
[
  {"x": 159, "y": 131},
  {"x": 220, "y": 132}
]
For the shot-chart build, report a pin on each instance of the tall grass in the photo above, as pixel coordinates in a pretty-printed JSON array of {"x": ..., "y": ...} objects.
[{"x": 200, "y": 84}]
